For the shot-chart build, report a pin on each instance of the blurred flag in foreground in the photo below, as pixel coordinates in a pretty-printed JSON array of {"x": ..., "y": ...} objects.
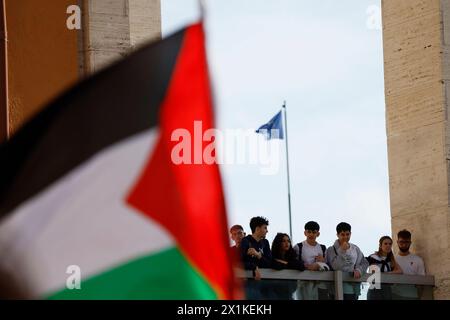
[{"x": 88, "y": 187}]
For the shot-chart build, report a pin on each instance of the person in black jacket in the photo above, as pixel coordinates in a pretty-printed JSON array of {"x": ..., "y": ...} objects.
[
  {"x": 283, "y": 255},
  {"x": 256, "y": 254},
  {"x": 255, "y": 249}
]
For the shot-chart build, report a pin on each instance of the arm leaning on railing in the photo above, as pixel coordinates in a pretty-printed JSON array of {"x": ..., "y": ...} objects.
[{"x": 306, "y": 275}]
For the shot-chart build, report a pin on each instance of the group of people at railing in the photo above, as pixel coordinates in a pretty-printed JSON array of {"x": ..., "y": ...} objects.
[{"x": 255, "y": 253}]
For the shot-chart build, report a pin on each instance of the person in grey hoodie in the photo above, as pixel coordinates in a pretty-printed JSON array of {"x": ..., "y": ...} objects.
[{"x": 347, "y": 257}]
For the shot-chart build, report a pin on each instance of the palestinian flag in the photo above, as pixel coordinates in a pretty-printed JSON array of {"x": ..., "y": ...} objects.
[{"x": 90, "y": 183}]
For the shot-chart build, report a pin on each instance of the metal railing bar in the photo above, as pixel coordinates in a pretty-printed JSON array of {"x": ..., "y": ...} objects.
[{"x": 427, "y": 280}]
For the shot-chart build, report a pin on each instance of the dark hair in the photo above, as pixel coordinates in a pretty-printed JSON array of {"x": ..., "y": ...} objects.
[
  {"x": 276, "y": 248},
  {"x": 236, "y": 227},
  {"x": 312, "y": 225},
  {"x": 404, "y": 234},
  {"x": 258, "y": 222},
  {"x": 343, "y": 226}
]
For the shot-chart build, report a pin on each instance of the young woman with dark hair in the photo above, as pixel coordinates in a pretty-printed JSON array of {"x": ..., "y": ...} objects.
[{"x": 284, "y": 257}]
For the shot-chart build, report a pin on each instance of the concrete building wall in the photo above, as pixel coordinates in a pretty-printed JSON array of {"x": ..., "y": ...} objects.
[
  {"x": 45, "y": 57},
  {"x": 3, "y": 74},
  {"x": 42, "y": 55},
  {"x": 145, "y": 25},
  {"x": 417, "y": 72},
  {"x": 113, "y": 28}
]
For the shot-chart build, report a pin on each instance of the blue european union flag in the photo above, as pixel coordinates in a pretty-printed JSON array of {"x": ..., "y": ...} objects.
[{"x": 276, "y": 123}]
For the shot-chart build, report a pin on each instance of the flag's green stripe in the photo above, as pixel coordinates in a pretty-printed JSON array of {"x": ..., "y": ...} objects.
[{"x": 164, "y": 275}]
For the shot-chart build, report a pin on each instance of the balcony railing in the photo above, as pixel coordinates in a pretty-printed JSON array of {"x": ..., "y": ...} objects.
[{"x": 393, "y": 286}]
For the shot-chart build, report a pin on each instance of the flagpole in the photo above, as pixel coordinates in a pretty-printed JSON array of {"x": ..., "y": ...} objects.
[
  {"x": 201, "y": 4},
  {"x": 287, "y": 167}
]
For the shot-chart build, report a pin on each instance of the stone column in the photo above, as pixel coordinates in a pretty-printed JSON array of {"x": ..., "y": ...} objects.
[
  {"x": 113, "y": 28},
  {"x": 416, "y": 35}
]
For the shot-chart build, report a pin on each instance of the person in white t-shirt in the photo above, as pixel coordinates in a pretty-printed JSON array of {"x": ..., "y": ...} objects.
[
  {"x": 312, "y": 255},
  {"x": 410, "y": 263}
]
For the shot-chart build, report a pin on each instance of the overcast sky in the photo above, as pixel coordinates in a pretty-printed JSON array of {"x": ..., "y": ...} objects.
[{"x": 325, "y": 59}]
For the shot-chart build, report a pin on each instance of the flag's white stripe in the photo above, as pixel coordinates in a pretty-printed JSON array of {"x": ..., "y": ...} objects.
[{"x": 82, "y": 219}]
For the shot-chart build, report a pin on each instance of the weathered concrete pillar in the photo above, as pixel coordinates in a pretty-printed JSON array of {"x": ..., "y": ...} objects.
[
  {"x": 417, "y": 73},
  {"x": 113, "y": 28}
]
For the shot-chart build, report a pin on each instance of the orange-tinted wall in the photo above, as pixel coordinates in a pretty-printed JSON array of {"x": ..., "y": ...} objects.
[
  {"x": 3, "y": 75},
  {"x": 42, "y": 55}
]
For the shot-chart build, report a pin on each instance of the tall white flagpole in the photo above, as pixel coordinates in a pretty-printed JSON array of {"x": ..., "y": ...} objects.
[
  {"x": 201, "y": 4},
  {"x": 287, "y": 167}
]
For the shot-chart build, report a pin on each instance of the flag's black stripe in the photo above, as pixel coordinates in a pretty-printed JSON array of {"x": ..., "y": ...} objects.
[{"x": 116, "y": 103}]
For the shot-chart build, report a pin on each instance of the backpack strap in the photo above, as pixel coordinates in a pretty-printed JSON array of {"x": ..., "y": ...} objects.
[
  {"x": 300, "y": 247},
  {"x": 324, "y": 249}
]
